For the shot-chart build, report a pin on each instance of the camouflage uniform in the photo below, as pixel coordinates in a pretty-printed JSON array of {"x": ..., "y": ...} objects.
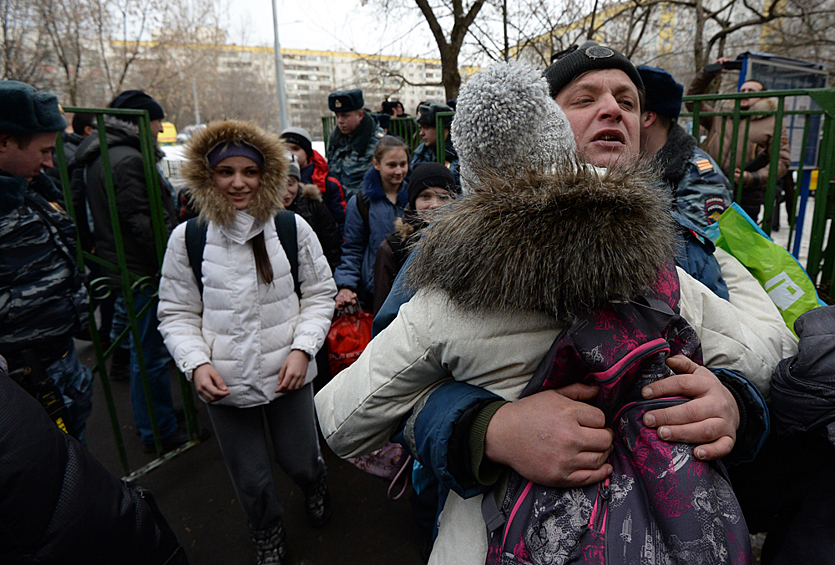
[
  {"x": 700, "y": 190},
  {"x": 349, "y": 156},
  {"x": 43, "y": 301}
]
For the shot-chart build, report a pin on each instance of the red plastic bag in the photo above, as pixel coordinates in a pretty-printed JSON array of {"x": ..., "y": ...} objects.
[{"x": 347, "y": 338}]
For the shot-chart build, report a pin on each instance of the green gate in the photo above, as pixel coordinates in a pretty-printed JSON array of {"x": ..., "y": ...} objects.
[
  {"x": 128, "y": 283},
  {"x": 821, "y": 260}
]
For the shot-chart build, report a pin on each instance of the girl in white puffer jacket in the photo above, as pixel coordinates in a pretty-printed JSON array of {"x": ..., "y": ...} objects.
[{"x": 247, "y": 341}]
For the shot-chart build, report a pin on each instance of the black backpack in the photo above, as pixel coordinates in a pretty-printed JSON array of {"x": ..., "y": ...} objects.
[{"x": 285, "y": 226}]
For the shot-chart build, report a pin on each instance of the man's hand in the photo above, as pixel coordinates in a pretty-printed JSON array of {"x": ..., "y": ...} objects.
[
  {"x": 208, "y": 383},
  {"x": 710, "y": 419},
  {"x": 293, "y": 371},
  {"x": 747, "y": 177},
  {"x": 345, "y": 297},
  {"x": 552, "y": 437},
  {"x": 721, "y": 61}
]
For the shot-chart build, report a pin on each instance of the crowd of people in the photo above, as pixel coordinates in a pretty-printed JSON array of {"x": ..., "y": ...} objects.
[{"x": 570, "y": 360}]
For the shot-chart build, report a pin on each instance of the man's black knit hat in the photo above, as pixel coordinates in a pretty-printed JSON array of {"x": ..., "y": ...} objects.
[
  {"x": 137, "y": 100},
  {"x": 590, "y": 56}
]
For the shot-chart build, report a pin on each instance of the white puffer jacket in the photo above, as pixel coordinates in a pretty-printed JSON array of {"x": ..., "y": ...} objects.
[{"x": 243, "y": 327}]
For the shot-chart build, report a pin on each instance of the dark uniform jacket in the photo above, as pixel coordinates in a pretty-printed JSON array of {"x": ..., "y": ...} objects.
[{"x": 350, "y": 156}]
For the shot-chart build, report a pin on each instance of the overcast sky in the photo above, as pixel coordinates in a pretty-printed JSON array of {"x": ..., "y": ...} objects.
[{"x": 341, "y": 25}]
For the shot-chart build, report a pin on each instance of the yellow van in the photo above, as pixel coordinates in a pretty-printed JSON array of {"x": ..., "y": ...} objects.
[{"x": 168, "y": 135}]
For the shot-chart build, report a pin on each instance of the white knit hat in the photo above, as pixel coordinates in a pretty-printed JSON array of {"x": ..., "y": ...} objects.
[{"x": 506, "y": 119}]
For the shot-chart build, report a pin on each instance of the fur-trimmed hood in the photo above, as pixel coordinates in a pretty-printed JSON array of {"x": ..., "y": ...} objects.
[
  {"x": 207, "y": 199},
  {"x": 309, "y": 191},
  {"x": 555, "y": 243},
  {"x": 540, "y": 230}
]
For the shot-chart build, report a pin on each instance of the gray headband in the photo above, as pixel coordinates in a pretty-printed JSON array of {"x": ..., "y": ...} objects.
[{"x": 226, "y": 149}]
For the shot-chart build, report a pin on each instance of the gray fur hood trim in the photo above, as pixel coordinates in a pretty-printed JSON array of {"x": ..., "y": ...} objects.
[
  {"x": 207, "y": 199},
  {"x": 310, "y": 191},
  {"x": 554, "y": 243}
]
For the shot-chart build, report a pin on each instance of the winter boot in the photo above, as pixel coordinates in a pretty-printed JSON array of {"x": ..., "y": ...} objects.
[
  {"x": 317, "y": 502},
  {"x": 270, "y": 545}
]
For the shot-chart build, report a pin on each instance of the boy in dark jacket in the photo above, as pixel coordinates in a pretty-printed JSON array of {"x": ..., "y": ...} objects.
[
  {"x": 314, "y": 170},
  {"x": 138, "y": 239}
]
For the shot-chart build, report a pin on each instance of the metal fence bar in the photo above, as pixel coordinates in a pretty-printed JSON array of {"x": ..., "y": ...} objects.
[{"x": 128, "y": 283}]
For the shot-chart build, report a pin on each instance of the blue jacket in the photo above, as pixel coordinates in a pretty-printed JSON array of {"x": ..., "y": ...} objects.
[
  {"x": 356, "y": 270},
  {"x": 695, "y": 256}
]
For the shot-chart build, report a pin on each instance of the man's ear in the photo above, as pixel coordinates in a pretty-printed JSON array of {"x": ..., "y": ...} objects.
[
  {"x": 5, "y": 139},
  {"x": 88, "y": 130},
  {"x": 648, "y": 118}
]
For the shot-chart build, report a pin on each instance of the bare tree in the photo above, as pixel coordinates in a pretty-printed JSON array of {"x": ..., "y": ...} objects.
[
  {"x": 65, "y": 23},
  {"x": 449, "y": 42},
  {"x": 23, "y": 45}
]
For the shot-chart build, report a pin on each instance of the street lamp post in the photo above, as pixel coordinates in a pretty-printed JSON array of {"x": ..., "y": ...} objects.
[{"x": 279, "y": 74}]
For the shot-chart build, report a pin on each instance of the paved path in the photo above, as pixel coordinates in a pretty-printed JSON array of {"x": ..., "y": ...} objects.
[{"x": 195, "y": 494}]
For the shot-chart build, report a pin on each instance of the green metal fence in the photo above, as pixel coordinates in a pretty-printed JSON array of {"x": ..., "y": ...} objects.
[
  {"x": 821, "y": 259},
  {"x": 128, "y": 283}
]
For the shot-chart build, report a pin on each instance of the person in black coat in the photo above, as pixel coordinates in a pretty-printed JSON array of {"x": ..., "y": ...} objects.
[
  {"x": 60, "y": 505},
  {"x": 306, "y": 201}
]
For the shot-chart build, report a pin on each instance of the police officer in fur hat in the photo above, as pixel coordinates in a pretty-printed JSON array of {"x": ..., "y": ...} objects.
[
  {"x": 43, "y": 301},
  {"x": 352, "y": 141}
]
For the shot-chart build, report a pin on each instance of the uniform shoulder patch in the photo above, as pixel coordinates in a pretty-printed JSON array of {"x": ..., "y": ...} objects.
[{"x": 704, "y": 165}]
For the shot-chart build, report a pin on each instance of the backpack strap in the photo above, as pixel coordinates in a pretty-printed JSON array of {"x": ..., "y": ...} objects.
[
  {"x": 362, "y": 206},
  {"x": 285, "y": 227},
  {"x": 195, "y": 243}
]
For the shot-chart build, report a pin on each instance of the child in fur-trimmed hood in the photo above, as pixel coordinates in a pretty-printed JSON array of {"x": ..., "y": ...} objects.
[{"x": 540, "y": 239}]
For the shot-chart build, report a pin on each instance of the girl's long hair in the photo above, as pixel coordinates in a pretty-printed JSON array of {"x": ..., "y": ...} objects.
[{"x": 262, "y": 260}]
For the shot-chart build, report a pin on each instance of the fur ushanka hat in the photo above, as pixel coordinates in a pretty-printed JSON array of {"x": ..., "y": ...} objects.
[
  {"x": 539, "y": 230},
  {"x": 208, "y": 199}
]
